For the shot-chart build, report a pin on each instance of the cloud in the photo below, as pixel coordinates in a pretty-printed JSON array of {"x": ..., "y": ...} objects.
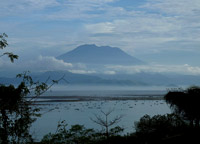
[
  {"x": 24, "y": 5},
  {"x": 174, "y": 7},
  {"x": 178, "y": 69},
  {"x": 50, "y": 63},
  {"x": 155, "y": 26},
  {"x": 21, "y": 7},
  {"x": 42, "y": 63},
  {"x": 100, "y": 27},
  {"x": 82, "y": 71}
]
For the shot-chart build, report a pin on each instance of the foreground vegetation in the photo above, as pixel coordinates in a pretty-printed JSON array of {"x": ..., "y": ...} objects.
[{"x": 159, "y": 129}]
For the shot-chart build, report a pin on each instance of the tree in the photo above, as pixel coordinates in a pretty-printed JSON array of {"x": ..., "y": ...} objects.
[
  {"x": 158, "y": 128},
  {"x": 106, "y": 123},
  {"x": 3, "y": 45},
  {"x": 16, "y": 111},
  {"x": 16, "y": 114},
  {"x": 74, "y": 135},
  {"x": 186, "y": 103}
]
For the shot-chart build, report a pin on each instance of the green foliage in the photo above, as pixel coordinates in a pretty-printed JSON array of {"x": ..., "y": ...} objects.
[
  {"x": 159, "y": 124},
  {"x": 3, "y": 41},
  {"x": 33, "y": 87},
  {"x": 159, "y": 127},
  {"x": 15, "y": 114},
  {"x": 3, "y": 45},
  {"x": 116, "y": 131},
  {"x": 186, "y": 103},
  {"x": 77, "y": 134}
]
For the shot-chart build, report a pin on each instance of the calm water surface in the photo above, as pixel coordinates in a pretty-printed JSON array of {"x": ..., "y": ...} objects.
[{"x": 81, "y": 112}]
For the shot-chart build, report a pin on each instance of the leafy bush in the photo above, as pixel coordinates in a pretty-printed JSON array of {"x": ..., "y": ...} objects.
[
  {"x": 77, "y": 134},
  {"x": 159, "y": 127}
]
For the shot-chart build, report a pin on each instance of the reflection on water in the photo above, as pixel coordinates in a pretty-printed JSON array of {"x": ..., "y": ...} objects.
[{"x": 81, "y": 112}]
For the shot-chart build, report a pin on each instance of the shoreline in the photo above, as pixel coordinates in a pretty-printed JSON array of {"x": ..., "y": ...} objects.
[{"x": 44, "y": 99}]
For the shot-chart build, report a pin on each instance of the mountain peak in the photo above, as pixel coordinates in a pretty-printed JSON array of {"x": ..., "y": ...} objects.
[
  {"x": 93, "y": 47},
  {"x": 92, "y": 54},
  {"x": 86, "y": 45}
]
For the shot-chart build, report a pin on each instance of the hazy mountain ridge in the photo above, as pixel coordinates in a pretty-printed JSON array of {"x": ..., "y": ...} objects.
[
  {"x": 157, "y": 78},
  {"x": 92, "y": 54},
  {"x": 71, "y": 78},
  {"x": 140, "y": 79}
]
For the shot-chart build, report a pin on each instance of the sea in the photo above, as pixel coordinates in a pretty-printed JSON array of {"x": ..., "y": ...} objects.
[{"x": 81, "y": 104}]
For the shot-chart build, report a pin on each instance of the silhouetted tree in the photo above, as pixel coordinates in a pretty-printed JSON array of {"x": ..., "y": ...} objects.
[
  {"x": 74, "y": 135},
  {"x": 106, "y": 123},
  {"x": 159, "y": 128},
  {"x": 16, "y": 111},
  {"x": 186, "y": 103},
  {"x": 78, "y": 134},
  {"x": 3, "y": 45}
]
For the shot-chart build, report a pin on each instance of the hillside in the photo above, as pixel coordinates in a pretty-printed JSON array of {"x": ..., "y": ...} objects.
[{"x": 92, "y": 54}]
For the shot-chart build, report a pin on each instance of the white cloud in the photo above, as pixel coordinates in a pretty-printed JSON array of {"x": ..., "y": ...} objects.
[
  {"x": 178, "y": 69},
  {"x": 42, "y": 63},
  {"x": 100, "y": 27},
  {"x": 82, "y": 71},
  {"x": 51, "y": 63},
  {"x": 174, "y": 7},
  {"x": 149, "y": 30}
]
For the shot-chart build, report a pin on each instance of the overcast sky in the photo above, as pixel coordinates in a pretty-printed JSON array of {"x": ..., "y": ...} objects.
[{"x": 165, "y": 33}]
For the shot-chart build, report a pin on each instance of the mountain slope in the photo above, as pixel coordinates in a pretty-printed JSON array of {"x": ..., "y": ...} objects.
[
  {"x": 92, "y": 54},
  {"x": 71, "y": 78},
  {"x": 139, "y": 79}
]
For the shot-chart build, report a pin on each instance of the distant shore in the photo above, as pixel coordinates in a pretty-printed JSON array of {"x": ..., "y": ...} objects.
[{"x": 44, "y": 99}]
